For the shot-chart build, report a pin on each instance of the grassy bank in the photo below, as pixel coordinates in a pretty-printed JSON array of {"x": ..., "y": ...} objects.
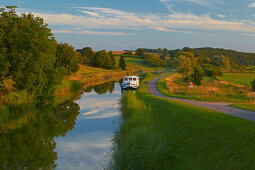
[
  {"x": 210, "y": 90},
  {"x": 163, "y": 134}
]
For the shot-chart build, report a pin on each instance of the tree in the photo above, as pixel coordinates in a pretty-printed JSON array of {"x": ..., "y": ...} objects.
[
  {"x": 113, "y": 63},
  {"x": 164, "y": 53},
  {"x": 68, "y": 58},
  {"x": 197, "y": 75},
  {"x": 128, "y": 53},
  {"x": 253, "y": 85},
  {"x": 102, "y": 59},
  {"x": 140, "y": 52},
  {"x": 27, "y": 51},
  {"x": 184, "y": 65},
  {"x": 122, "y": 63},
  {"x": 87, "y": 54},
  {"x": 221, "y": 61}
]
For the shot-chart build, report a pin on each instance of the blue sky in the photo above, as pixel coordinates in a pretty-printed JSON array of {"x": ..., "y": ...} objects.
[{"x": 119, "y": 24}]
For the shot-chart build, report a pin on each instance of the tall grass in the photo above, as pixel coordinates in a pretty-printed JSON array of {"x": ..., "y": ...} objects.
[
  {"x": 138, "y": 145},
  {"x": 160, "y": 134},
  {"x": 210, "y": 90}
]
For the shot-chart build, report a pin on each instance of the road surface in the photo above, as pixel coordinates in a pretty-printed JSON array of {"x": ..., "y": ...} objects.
[{"x": 220, "y": 107}]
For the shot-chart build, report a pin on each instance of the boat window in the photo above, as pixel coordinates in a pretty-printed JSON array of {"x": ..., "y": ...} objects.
[
  {"x": 130, "y": 79},
  {"x": 134, "y": 79},
  {"x": 126, "y": 79}
]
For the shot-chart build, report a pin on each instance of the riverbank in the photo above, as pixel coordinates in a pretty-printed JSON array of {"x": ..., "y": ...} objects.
[{"x": 180, "y": 136}]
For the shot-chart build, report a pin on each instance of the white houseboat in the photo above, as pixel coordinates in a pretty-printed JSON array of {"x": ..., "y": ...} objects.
[{"x": 130, "y": 82}]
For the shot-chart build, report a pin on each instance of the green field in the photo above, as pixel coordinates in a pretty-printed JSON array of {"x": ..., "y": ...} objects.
[
  {"x": 239, "y": 78},
  {"x": 180, "y": 136}
]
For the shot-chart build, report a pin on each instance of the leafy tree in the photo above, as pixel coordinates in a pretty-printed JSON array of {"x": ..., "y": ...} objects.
[
  {"x": 102, "y": 59},
  {"x": 87, "y": 54},
  {"x": 155, "y": 61},
  {"x": 164, "y": 53},
  {"x": 212, "y": 71},
  {"x": 221, "y": 61},
  {"x": 253, "y": 85},
  {"x": 122, "y": 63},
  {"x": 197, "y": 75},
  {"x": 27, "y": 51},
  {"x": 184, "y": 65},
  {"x": 140, "y": 52},
  {"x": 68, "y": 58},
  {"x": 128, "y": 53},
  {"x": 113, "y": 63}
]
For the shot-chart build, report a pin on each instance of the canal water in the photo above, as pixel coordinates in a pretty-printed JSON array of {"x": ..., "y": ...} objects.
[
  {"x": 74, "y": 134},
  {"x": 89, "y": 143}
]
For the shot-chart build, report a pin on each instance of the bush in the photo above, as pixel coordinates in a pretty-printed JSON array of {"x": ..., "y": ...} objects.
[
  {"x": 253, "y": 85},
  {"x": 213, "y": 71}
]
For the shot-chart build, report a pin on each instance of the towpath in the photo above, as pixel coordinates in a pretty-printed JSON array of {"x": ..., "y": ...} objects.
[{"x": 220, "y": 107}]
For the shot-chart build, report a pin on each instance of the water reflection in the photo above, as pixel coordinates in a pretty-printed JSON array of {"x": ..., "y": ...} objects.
[
  {"x": 70, "y": 135},
  {"x": 87, "y": 145},
  {"x": 30, "y": 144},
  {"x": 102, "y": 88}
]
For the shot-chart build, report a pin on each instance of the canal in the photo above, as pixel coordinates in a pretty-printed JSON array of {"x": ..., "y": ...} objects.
[{"x": 75, "y": 134}]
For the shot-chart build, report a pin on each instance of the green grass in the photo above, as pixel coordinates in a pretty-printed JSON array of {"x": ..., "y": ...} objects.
[
  {"x": 250, "y": 107},
  {"x": 239, "y": 78},
  {"x": 163, "y": 134},
  {"x": 228, "y": 93}
]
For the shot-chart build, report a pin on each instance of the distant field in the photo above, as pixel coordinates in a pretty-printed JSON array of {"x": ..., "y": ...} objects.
[
  {"x": 136, "y": 63},
  {"x": 239, "y": 78}
]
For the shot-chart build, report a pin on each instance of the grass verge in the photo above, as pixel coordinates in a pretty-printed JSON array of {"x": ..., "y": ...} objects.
[
  {"x": 250, "y": 107},
  {"x": 157, "y": 133}
]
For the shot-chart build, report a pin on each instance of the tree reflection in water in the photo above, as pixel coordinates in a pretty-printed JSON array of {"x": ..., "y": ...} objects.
[
  {"x": 31, "y": 145},
  {"x": 102, "y": 88}
]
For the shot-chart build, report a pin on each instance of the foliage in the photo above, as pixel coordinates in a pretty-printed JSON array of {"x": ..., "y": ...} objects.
[
  {"x": 113, "y": 63},
  {"x": 184, "y": 65},
  {"x": 140, "y": 52},
  {"x": 130, "y": 53},
  {"x": 102, "y": 59},
  {"x": 68, "y": 58},
  {"x": 253, "y": 85},
  {"x": 221, "y": 61},
  {"x": 27, "y": 52},
  {"x": 235, "y": 58},
  {"x": 87, "y": 54},
  {"x": 122, "y": 63},
  {"x": 197, "y": 75},
  {"x": 212, "y": 71},
  {"x": 7, "y": 84},
  {"x": 156, "y": 61}
]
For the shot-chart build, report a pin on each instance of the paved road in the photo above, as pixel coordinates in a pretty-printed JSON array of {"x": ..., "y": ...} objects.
[{"x": 220, "y": 107}]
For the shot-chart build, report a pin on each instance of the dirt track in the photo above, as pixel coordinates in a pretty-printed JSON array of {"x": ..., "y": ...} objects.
[{"x": 220, "y": 107}]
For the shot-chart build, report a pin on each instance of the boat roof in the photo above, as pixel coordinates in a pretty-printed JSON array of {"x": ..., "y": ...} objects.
[{"x": 131, "y": 77}]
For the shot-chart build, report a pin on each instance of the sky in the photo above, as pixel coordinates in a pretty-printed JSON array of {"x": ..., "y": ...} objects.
[{"x": 132, "y": 24}]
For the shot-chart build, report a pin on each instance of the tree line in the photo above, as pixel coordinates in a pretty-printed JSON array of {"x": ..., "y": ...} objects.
[
  {"x": 32, "y": 60},
  {"x": 102, "y": 59}
]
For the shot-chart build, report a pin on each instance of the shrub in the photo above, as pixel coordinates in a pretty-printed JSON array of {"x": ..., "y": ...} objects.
[{"x": 253, "y": 85}]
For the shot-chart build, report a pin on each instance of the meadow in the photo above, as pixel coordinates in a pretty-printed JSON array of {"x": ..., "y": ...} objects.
[
  {"x": 239, "y": 78},
  {"x": 216, "y": 90},
  {"x": 179, "y": 136}
]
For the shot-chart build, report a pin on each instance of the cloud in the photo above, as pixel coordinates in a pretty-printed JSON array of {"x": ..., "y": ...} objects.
[
  {"x": 249, "y": 35},
  {"x": 106, "y": 18},
  {"x": 90, "y": 13},
  {"x": 252, "y": 5},
  {"x": 221, "y": 16},
  {"x": 89, "y": 32}
]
